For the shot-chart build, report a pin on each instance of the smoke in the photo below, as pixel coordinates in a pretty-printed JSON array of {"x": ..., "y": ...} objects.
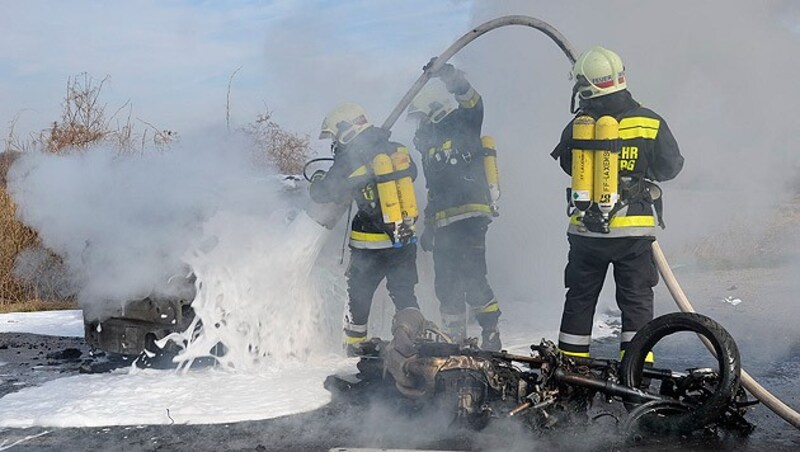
[
  {"x": 717, "y": 75},
  {"x": 126, "y": 226},
  {"x": 43, "y": 272}
]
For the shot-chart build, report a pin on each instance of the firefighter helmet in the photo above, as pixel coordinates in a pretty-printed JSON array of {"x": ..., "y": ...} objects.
[
  {"x": 598, "y": 72},
  {"x": 433, "y": 102},
  {"x": 344, "y": 123}
]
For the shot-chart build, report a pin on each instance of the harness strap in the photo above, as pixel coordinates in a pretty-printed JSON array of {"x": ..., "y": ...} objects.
[
  {"x": 393, "y": 176},
  {"x": 595, "y": 145}
]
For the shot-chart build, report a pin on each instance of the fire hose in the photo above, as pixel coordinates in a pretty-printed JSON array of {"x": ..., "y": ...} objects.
[{"x": 768, "y": 399}]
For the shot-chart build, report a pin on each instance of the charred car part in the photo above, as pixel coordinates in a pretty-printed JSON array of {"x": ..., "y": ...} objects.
[
  {"x": 134, "y": 329},
  {"x": 548, "y": 387}
]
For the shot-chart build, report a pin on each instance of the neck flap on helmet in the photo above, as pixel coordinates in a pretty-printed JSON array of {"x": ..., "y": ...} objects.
[{"x": 578, "y": 89}]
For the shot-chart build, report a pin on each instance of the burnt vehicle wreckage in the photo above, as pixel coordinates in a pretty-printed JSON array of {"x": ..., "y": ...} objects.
[
  {"x": 545, "y": 389},
  {"x": 132, "y": 332}
]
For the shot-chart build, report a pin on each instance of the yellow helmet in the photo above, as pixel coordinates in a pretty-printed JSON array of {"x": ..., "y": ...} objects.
[
  {"x": 433, "y": 102},
  {"x": 344, "y": 123},
  {"x": 598, "y": 72}
]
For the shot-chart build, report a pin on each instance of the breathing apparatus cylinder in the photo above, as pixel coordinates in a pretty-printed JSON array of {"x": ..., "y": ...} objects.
[
  {"x": 491, "y": 170},
  {"x": 583, "y": 128},
  {"x": 606, "y": 167},
  {"x": 405, "y": 187},
  {"x": 387, "y": 189}
]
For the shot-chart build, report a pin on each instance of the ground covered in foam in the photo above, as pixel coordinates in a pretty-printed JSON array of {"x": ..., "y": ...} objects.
[{"x": 204, "y": 396}]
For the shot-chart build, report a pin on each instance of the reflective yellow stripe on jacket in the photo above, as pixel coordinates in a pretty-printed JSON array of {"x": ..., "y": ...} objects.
[
  {"x": 619, "y": 226},
  {"x": 469, "y": 99},
  {"x": 370, "y": 240},
  {"x": 453, "y": 214},
  {"x": 638, "y": 127}
]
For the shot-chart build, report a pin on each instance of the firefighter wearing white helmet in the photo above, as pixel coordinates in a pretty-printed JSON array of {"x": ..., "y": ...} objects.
[
  {"x": 598, "y": 72},
  {"x": 613, "y": 149},
  {"x": 344, "y": 123},
  {"x": 449, "y": 114},
  {"x": 377, "y": 174}
]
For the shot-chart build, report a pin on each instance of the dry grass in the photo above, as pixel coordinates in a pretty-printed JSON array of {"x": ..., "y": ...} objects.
[
  {"x": 287, "y": 151},
  {"x": 33, "y": 305},
  {"x": 14, "y": 237}
]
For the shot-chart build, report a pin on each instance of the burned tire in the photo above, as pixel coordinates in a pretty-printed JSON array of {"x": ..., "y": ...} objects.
[{"x": 725, "y": 350}]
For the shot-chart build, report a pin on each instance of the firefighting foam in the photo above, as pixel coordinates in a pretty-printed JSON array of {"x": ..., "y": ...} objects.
[
  {"x": 127, "y": 226},
  {"x": 257, "y": 296}
]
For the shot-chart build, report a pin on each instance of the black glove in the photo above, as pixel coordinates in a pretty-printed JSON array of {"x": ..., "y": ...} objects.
[
  {"x": 426, "y": 240},
  {"x": 446, "y": 72},
  {"x": 318, "y": 175}
]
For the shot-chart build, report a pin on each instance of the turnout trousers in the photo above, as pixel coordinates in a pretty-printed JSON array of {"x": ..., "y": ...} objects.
[
  {"x": 635, "y": 275},
  {"x": 366, "y": 271},
  {"x": 459, "y": 263}
]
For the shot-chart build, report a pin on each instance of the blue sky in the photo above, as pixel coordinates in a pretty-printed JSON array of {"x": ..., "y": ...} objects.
[{"x": 172, "y": 59}]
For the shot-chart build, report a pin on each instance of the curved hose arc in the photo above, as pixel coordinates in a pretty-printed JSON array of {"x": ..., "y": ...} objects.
[
  {"x": 560, "y": 40},
  {"x": 767, "y": 398}
]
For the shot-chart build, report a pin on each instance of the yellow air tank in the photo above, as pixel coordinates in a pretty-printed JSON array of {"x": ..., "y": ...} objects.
[
  {"x": 387, "y": 189},
  {"x": 490, "y": 168},
  {"x": 405, "y": 186},
  {"x": 582, "y": 164},
  {"x": 606, "y": 167}
]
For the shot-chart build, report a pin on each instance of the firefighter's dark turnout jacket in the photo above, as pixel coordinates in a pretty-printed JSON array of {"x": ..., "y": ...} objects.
[
  {"x": 373, "y": 256},
  {"x": 351, "y": 177},
  {"x": 458, "y": 207},
  {"x": 647, "y": 151},
  {"x": 452, "y": 159}
]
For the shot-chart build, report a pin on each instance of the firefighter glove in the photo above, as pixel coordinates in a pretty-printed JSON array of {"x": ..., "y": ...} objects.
[{"x": 446, "y": 72}]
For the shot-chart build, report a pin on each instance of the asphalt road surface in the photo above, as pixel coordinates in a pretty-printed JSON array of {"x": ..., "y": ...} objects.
[{"x": 763, "y": 324}]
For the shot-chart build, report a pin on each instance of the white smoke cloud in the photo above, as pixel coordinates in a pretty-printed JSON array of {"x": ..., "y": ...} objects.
[{"x": 124, "y": 224}]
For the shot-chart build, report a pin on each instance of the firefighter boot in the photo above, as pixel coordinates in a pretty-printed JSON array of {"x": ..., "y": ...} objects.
[
  {"x": 354, "y": 337},
  {"x": 488, "y": 316}
]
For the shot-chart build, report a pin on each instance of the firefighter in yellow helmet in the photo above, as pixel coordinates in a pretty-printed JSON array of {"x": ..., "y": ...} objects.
[
  {"x": 614, "y": 150},
  {"x": 376, "y": 173},
  {"x": 460, "y": 204}
]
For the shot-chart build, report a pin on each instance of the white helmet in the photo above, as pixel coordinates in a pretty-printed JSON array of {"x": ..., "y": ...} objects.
[
  {"x": 598, "y": 72},
  {"x": 344, "y": 123},
  {"x": 433, "y": 102}
]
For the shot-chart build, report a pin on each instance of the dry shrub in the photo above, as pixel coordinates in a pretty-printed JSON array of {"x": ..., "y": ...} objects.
[
  {"x": 14, "y": 237},
  {"x": 287, "y": 151},
  {"x": 84, "y": 122}
]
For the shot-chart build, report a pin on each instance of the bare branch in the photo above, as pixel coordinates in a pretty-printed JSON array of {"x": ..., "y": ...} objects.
[{"x": 228, "y": 100}]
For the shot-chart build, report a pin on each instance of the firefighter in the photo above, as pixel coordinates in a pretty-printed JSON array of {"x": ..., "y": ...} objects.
[
  {"x": 377, "y": 174},
  {"x": 460, "y": 203},
  {"x": 614, "y": 149}
]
